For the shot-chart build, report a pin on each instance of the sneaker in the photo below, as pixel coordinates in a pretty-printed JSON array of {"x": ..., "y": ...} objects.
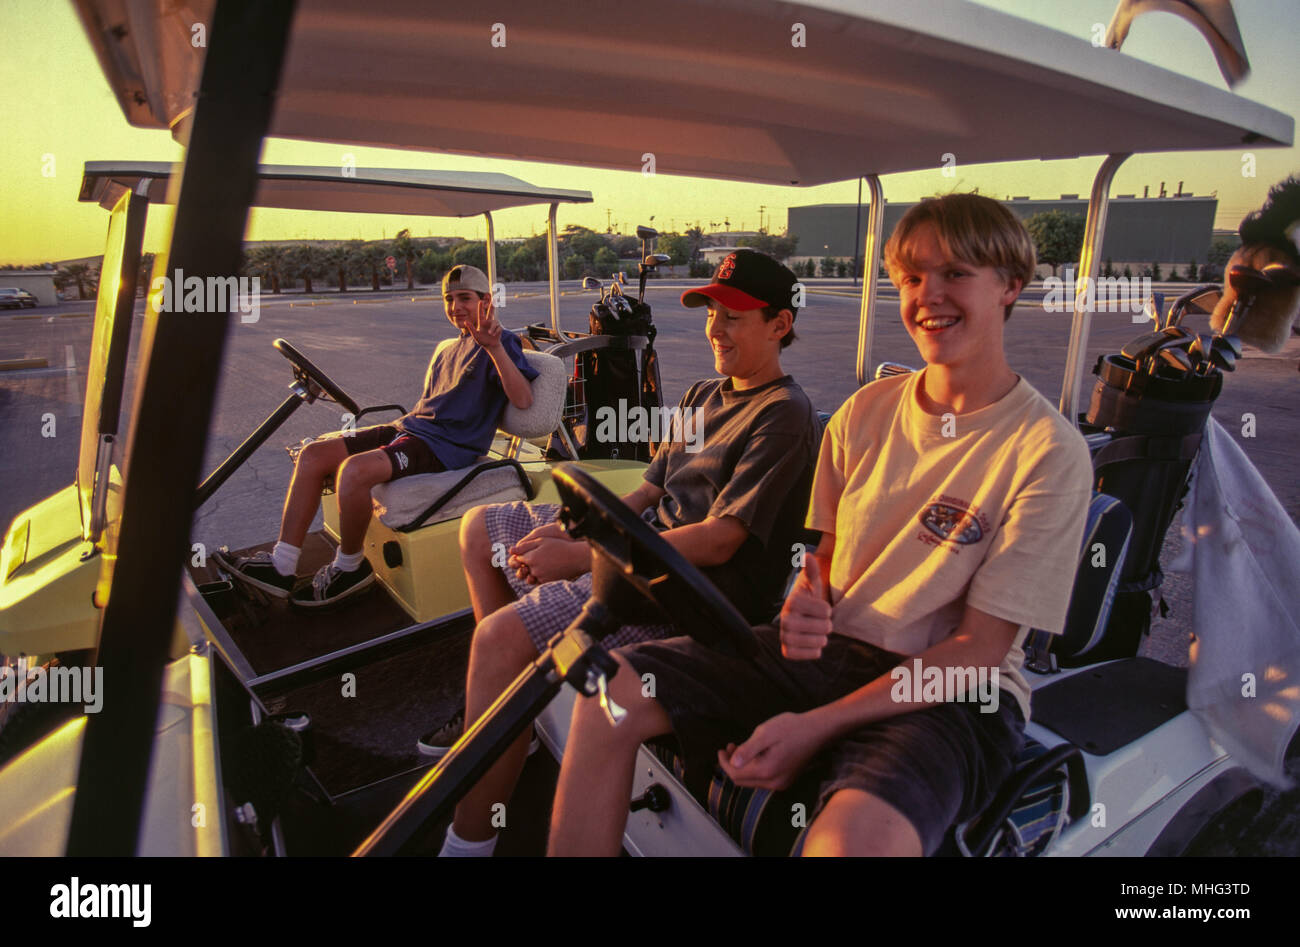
[
  {"x": 331, "y": 584},
  {"x": 256, "y": 571},
  {"x": 436, "y": 743}
]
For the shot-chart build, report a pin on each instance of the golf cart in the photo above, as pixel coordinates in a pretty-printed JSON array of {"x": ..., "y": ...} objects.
[{"x": 867, "y": 104}]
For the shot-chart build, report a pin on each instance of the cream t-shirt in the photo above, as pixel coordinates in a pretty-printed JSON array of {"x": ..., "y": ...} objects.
[{"x": 930, "y": 513}]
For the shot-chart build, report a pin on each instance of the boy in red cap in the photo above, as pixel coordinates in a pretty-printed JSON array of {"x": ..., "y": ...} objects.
[{"x": 732, "y": 507}]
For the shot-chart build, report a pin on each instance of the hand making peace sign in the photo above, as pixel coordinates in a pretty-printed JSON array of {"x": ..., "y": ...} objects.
[{"x": 484, "y": 326}]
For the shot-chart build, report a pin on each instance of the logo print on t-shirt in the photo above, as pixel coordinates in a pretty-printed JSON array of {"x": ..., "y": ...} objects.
[{"x": 952, "y": 523}]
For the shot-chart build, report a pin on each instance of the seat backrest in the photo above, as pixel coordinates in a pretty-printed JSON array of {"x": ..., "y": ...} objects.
[
  {"x": 548, "y": 387},
  {"x": 1105, "y": 546}
]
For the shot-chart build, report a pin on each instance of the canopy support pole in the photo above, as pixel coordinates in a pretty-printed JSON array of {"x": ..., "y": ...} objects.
[
  {"x": 491, "y": 253},
  {"x": 553, "y": 269},
  {"x": 1094, "y": 231},
  {"x": 872, "y": 253}
]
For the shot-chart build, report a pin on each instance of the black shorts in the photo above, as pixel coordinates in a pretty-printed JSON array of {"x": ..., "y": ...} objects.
[
  {"x": 407, "y": 453},
  {"x": 938, "y": 765}
]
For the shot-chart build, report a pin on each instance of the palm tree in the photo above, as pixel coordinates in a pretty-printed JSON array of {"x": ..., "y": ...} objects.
[
  {"x": 358, "y": 263},
  {"x": 375, "y": 254},
  {"x": 305, "y": 260},
  {"x": 270, "y": 259},
  {"x": 335, "y": 259},
  {"x": 81, "y": 274},
  {"x": 404, "y": 249}
]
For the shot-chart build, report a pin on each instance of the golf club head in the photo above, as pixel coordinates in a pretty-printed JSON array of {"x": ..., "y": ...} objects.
[
  {"x": 1222, "y": 355},
  {"x": 590, "y": 282},
  {"x": 1174, "y": 338},
  {"x": 1177, "y": 359},
  {"x": 1231, "y": 343},
  {"x": 1199, "y": 350},
  {"x": 1151, "y": 309},
  {"x": 646, "y": 233},
  {"x": 1201, "y": 300},
  {"x": 1141, "y": 347}
]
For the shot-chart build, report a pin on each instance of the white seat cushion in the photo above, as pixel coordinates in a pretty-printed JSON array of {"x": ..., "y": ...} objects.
[{"x": 399, "y": 502}]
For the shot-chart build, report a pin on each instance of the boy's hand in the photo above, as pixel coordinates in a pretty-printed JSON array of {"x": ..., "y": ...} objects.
[
  {"x": 774, "y": 754},
  {"x": 549, "y": 558},
  {"x": 806, "y": 615},
  {"x": 484, "y": 326},
  {"x": 552, "y": 529}
]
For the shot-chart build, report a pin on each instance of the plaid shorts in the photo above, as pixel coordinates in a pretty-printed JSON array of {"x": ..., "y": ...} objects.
[{"x": 546, "y": 610}]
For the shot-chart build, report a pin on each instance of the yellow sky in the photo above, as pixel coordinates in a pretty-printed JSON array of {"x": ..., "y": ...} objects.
[{"x": 59, "y": 113}]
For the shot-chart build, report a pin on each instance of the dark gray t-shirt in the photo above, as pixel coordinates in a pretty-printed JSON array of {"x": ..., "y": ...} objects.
[{"x": 755, "y": 462}]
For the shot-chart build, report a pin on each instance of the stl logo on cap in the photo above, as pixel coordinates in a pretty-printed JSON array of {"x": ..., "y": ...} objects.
[{"x": 727, "y": 268}]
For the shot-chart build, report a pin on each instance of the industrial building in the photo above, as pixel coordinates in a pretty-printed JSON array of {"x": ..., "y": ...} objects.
[{"x": 1139, "y": 230}]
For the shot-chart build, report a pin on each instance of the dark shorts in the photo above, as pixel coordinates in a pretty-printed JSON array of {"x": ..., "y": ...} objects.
[
  {"x": 408, "y": 454},
  {"x": 938, "y": 766}
]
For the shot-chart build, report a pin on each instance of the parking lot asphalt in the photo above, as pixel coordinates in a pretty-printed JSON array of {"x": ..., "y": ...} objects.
[{"x": 376, "y": 346}]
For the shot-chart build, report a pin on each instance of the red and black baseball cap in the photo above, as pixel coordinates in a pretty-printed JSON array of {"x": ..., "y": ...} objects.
[{"x": 747, "y": 279}]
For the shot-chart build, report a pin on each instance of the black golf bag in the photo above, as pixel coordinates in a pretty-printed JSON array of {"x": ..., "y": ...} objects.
[
  {"x": 1156, "y": 422},
  {"x": 617, "y": 374}
]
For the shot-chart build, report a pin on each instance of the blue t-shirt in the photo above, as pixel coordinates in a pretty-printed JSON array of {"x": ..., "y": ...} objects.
[{"x": 463, "y": 400}]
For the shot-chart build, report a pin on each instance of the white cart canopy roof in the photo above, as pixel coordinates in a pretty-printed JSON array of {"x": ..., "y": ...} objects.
[
  {"x": 361, "y": 190},
  {"x": 711, "y": 88}
]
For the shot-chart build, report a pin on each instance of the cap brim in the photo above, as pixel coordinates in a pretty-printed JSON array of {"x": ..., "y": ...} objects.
[{"x": 729, "y": 296}]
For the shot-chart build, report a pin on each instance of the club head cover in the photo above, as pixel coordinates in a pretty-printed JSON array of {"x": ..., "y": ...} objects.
[{"x": 1272, "y": 317}]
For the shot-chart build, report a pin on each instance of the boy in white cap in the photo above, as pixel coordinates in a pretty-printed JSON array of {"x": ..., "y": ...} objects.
[{"x": 466, "y": 390}]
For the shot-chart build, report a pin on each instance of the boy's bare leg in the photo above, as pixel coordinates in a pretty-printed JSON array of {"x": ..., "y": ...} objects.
[
  {"x": 856, "y": 823},
  {"x": 316, "y": 462},
  {"x": 501, "y": 649},
  {"x": 488, "y": 588},
  {"x": 356, "y": 476},
  {"x": 591, "y": 801}
]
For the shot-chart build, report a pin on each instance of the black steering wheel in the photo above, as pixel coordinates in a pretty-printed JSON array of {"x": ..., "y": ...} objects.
[
  {"x": 304, "y": 370},
  {"x": 628, "y": 553}
]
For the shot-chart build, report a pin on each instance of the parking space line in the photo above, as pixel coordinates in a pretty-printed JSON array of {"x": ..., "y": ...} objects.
[{"x": 74, "y": 391}]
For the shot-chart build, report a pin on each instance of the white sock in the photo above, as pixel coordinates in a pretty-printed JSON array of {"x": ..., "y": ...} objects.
[
  {"x": 285, "y": 558},
  {"x": 456, "y": 847},
  {"x": 349, "y": 562}
]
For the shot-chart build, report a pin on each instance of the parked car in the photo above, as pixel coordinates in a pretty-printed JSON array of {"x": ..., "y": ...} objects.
[{"x": 11, "y": 297}]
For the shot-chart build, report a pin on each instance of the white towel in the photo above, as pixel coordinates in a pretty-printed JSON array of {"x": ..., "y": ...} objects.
[{"x": 1243, "y": 553}]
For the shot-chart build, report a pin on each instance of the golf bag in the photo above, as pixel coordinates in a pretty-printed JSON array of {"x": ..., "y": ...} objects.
[
  {"x": 615, "y": 374},
  {"x": 1156, "y": 422}
]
